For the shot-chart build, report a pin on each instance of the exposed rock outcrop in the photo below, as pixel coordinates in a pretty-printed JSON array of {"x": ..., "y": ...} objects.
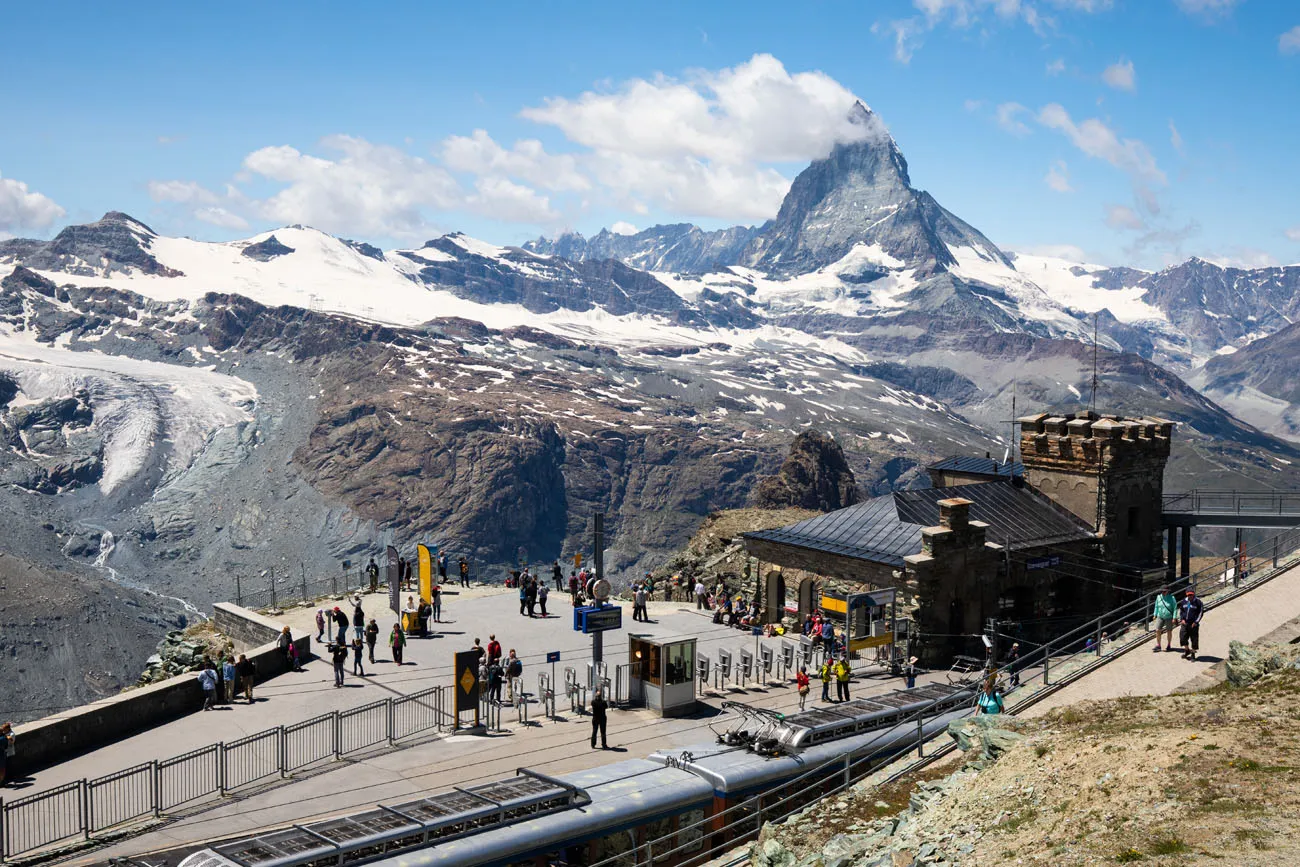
[{"x": 815, "y": 475}]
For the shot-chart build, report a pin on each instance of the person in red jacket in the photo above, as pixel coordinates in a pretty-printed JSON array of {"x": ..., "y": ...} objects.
[
  {"x": 802, "y": 681},
  {"x": 493, "y": 650}
]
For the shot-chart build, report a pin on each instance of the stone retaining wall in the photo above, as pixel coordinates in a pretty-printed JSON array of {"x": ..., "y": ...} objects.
[{"x": 54, "y": 739}]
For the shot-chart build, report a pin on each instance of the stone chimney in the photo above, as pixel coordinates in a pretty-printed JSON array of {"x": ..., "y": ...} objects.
[{"x": 954, "y": 514}]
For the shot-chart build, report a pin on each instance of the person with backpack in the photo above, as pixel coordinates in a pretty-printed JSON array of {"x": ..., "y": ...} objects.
[
  {"x": 826, "y": 674},
  {"x": 358, "y": 621},
  {"x": 990, "y": 700},
  {"x": 397, "y": 641},
  {"x": 494, "y": 676},
  {"x": 372, "y": 637},
  {"x": 803, "y": 682},
  {"x": 1190, "y": 612},
  {"x": 514, "y": 671},
  {"x": 1164, "y": 610}
]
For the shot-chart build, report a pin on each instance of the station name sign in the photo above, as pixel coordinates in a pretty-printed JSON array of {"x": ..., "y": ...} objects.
[{"x": 591, "y": 618}]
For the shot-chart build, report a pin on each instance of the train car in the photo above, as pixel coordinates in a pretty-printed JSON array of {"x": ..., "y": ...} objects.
[{"x": 576, "y": 819}]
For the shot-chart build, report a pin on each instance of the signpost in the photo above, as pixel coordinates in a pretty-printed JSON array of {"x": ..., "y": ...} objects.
[
  {"x": 857, "y": 624},
  {"x": 553, "y": 656},
  {"x": 467, "y": 685},
  {"x": 394, "y": 583}
]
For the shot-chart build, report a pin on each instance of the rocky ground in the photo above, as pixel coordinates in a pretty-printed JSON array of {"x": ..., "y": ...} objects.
[{"x": 1203, "y": 778}]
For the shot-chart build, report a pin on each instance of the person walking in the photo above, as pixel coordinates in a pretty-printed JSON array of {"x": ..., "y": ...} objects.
[
  {"x": 542, "y": 592},
  {"x": 436, "y": 601},
  {"x": 8, "y": 747},
  {"x": 842, "y": 674},
  {"x": 464, "y": 572},
  {"x": 320, "y": 625},
  {"x": 284, "y": 641},
  {"x": 598, "y": 719},
  {"x": 514, "y": 671},
  {"x": 397, "y": 641},
  {"x": 232, "y": 679},
  {"x": 356, "y": 658},
  {"x": 246, "y": 669},
  {"x": 208, "y": 681},
  {"x": 909, "y": 672},
  {"x": 339, "y": 655},
  {"x": 573, "y": 588},
  {"x": 358, "y": 621},
  {"x": 803, "y": 682},
  {"x": 990, "y": 700},
  {"x": 372, "y": 571},
  {"x": 700, "y": 604},
  {"x": 1012, "y": 664},
  {"x": 1164, "y": 610},
  {"x": 372, "y": 638},
  {"x": 1190, "y": 612},
  {"x": 826, "y": 675}
]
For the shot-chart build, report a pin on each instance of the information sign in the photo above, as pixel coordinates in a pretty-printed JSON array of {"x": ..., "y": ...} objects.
[
  {"x": 591, "y": 619},
  {"x": 553, "y": 656}
]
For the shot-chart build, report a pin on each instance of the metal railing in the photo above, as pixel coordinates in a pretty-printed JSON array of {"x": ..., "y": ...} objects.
[
  {"x": 275, "y": 590},
  {"x": 81, "y": 808},
  {"x": 1234, "y": 502}
]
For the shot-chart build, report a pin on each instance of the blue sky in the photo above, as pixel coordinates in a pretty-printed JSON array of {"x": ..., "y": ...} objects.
[{"x": 1124, "y": 131}]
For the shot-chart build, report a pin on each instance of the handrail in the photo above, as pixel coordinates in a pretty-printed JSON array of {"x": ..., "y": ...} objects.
[{"x": 1233, "y": 502}]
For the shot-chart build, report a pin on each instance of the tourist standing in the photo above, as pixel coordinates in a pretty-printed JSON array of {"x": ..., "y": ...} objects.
[
  {"x": 909, "y": 672},
  {"x": 842, "y": 674},
  {"x": 1164, "y": 610},
  {"x": 339, "y": 655},
  {"x": 372, "y": 637},
  {"x": 558, "y": 575},
  {"x": 523, "y": 600},
  {"x": 246, "y": 669},
  {"x": 436, "y": 598},
  {"x": 320, "y": 625},
  {"x": 358, "y": 621},
  {"x": 1012, "y": 664},
  {"x": 573, "y": 588},
  {"x": 514, "y": 671},
  {"x": 990, "y": 700},
  {"x": 372, "y": 571},
  {"x": 232, "y": 679},
  {"x": 542, "y": 592},
  {"x": 493, "y": 649},
  {"x": 208, "y": 680},
  {"x": 826, "y": 674},
  {"x": 464, "y": 573},
  {"x": 803, "y": 682},
  {"x": 284, "y": 641},
  {"x": 1190, "y": 612},
  {"x": 7, "y": 750},
  {"x": 340, "y": 625},
  {"x": 494, "y": 677},
  {"x": 356, "y": 658},
  {"x": 530, "y": 594},
  {"x": 639, "y": 602},
  {"x": 699, "y": 596},
  {"x": 598, "y": 720},
  {"x": 442, "y": 568},
  {"x": 397, "y": 641}
]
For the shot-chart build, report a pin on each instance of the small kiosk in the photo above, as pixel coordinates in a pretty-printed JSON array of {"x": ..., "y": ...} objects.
[{"x": 663, "y": 673}]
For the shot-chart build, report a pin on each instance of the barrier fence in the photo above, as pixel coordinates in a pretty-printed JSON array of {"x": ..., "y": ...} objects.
[
  {"x": 278, "y": 590},
  {"x": 78, "y": 809}
]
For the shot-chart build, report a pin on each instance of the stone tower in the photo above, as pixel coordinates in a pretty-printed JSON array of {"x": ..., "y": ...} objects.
[{"x": 1108, "y": 470}]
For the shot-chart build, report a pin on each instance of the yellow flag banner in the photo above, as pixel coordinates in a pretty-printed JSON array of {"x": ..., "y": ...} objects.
[{"x": 425, "y": 559}]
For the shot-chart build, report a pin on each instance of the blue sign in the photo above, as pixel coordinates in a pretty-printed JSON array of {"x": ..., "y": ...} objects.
[
  {"x": 553, "y": 656},
  {"x": 756, "y": 631},
  {"x": 1043, "y": 562},
  {"x": 594, "y": 618}
]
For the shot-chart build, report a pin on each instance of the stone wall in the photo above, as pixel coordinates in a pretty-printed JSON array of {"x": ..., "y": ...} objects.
[
  {"x": 53, "y": 739},
  {"x": 244, "y": 627}
]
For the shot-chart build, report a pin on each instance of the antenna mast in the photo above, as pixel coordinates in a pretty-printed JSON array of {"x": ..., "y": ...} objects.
[{"x": 1093, "y": 406}]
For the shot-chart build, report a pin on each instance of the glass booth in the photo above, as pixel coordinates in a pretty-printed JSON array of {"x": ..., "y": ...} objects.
[{"x": 663, "y": 673}]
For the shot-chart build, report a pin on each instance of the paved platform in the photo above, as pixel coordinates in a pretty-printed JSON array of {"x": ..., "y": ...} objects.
[{"x": 1142, "y": 672}]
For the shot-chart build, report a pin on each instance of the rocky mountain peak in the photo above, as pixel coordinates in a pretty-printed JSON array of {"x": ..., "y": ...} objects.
[
  {"x": 815, "y": 475},
  {"x": 119, "y": 217}
]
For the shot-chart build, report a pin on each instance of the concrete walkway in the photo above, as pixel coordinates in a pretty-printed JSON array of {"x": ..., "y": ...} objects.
[{"x": 1142, "y": 672}]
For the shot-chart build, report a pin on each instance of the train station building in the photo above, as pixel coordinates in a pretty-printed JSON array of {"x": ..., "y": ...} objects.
[{"x": 1070, "y": 530}]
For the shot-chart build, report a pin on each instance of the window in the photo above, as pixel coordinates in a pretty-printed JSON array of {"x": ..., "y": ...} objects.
[{"x": 681, "y": 664}]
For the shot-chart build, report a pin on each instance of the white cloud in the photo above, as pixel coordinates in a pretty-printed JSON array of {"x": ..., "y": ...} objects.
[
  {"x": 907, "y": 33},
  {"x": 528, "y": 161},
  {"x": 1097, "y": 140},
  {"x": 1120, "y": 75},
  {"x": 701, "y": 146},
  {"x": 1243, "y": 257},
  {"x": 1123, "y": 217},
  {"x": 1084, "y": 5},
  {"x": 1008, "y": 116},
  {"x": 1293, "y": 233},
  {"x": 1289, "y": 42},
  {"x": 1056, "y": 67},
  {"x": 217, "y": 216},
  {"x": 1176, "y": 139},
  {"x": 1207, "y": 9},
  {"x": 20, "y": 208},
  {"x": 184, "y": 192},
  {"x": 623, "y": 228},
  {"x": 502, "y": 199},
  {"x": 1058, "y": 177},
  {"x": 369, "y": 189}
]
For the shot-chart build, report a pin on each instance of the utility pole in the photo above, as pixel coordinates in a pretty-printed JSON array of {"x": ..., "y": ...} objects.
[
  {"x": 598, "y": 559},
  {"x": 1093, "y": 407}
]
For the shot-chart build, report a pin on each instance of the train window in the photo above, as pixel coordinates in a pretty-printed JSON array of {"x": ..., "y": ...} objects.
[
  {"x": 659, "y": 838},
  {"x": 620, "y": 847},
  {"x": 690, "y": 837},
  {"x": 681, "y": 663}
]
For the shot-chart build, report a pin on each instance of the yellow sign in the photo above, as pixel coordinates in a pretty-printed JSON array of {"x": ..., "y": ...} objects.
[
  {"x": 837, "y": 606},
  {"x": 877, "y": 641},
  {"x": 577, "y": 560},
  {"x": 467, "y": 680},
  {"x": 425, "y": 559}
]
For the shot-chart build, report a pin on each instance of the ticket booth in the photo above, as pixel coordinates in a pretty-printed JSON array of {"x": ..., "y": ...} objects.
[{"x": 663, "y": 673}]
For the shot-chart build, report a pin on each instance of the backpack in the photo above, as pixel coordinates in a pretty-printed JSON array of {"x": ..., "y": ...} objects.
[{"x": 516, "y": 668}]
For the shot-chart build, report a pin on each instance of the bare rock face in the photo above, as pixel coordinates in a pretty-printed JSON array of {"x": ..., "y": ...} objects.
[{"x": 814, "y": 476}]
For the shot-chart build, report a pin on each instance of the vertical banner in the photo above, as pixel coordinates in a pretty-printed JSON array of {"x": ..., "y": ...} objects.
[
  {"x": 394, "y": 582},
  {"x": 467, "y": 684},
  {"x": 424, "y": 557}
]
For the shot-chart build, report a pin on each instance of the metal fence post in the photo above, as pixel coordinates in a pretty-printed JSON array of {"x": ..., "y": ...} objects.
[
  {"x": 87, "y": 814},
  {"x": 221, "y": 767},
  {"x": 157, "y": 789},
  {"x": 1099, "y": 636},
  {"x": 280, "y": 752},
  {"x": 334, "y": 584},
  {"x": 1047, "y": 663},
  {"x": 4, "y": 837},
  {"x": 273, "y": 605},
  {"x": 390, "y": 721},
  {"x": 338, "y": 735},
  {"x": 920, "y": 735},
  {"x": 239, "y": 594}
]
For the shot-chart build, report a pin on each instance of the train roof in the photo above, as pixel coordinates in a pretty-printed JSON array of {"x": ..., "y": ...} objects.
[{"x": 733, "y": 770}]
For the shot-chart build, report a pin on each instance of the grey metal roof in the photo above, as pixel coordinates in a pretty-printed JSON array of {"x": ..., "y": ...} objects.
[
  {"x": 978, "y": 466},
  {"x": 887, "y": 529}
]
